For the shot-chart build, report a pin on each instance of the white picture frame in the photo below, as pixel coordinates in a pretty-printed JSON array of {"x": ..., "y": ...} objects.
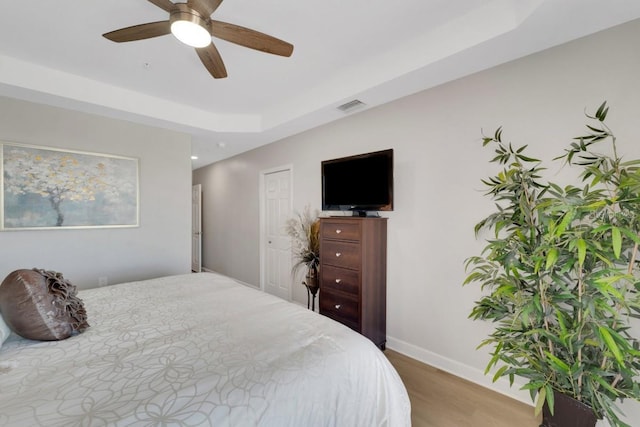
[{"x": 51, "y": 188}]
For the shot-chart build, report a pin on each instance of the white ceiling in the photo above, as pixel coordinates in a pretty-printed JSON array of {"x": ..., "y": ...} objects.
[{"x": 372, "y": 50}]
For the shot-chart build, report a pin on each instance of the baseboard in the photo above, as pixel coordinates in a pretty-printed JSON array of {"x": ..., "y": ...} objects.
[{"x": 460, "y": 370}]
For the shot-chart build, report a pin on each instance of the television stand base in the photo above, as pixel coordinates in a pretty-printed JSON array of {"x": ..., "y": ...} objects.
[{"x": 365, "y": 214}]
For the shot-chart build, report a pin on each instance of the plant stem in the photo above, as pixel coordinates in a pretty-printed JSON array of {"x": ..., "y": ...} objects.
[{"x": 632, "y": 261}]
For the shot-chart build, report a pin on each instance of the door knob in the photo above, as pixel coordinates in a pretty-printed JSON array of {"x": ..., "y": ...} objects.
[{"x": 338, "y": 254}]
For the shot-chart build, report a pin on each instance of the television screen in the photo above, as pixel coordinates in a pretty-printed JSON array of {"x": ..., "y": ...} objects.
[{"x": 358, "y": 183}]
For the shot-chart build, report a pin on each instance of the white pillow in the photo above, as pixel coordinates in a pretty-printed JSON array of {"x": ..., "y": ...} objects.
[{"x": 4, "y": 331}]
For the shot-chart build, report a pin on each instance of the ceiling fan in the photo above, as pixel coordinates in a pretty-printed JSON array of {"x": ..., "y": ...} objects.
[{"x": 191, "y": 23}]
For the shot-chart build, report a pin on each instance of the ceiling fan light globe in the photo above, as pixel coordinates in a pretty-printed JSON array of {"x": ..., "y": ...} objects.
[{"x": 190, "y": 33}]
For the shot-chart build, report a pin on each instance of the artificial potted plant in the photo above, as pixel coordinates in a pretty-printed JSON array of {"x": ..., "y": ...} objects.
[
  {"x": 560, "y": 277},
  {"x": 303, "y": 229}
]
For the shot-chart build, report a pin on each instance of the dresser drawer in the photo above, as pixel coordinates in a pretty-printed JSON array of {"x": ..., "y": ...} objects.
[
  {"x": 340, "y": 307},
  {"x": 340, "y": 279},
  {"x": 340, "y": 254},
  {"x": 340, "y": 230}
]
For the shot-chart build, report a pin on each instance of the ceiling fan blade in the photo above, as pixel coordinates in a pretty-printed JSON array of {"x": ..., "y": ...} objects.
[
  {"x": 163, "y": 4},
  {"x": 250, "y": 38},
  {"x": 212, "y": 60},
  {"x": 139, "y": 32},
  {"x": 204, "y": 7}
]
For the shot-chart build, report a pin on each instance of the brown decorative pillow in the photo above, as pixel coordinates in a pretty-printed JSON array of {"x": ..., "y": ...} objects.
[{"x": 41, "y": 305}]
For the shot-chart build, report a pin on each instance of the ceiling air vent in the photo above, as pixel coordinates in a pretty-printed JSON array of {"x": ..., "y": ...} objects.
[{"x": 351, "y": 105}]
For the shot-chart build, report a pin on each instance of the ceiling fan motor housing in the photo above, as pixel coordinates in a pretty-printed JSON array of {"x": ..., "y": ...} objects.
[{"x": 182, "y": 12}]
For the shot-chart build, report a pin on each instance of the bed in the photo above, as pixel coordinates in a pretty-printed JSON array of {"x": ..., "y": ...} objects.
[{"x": 199, "y": 350}]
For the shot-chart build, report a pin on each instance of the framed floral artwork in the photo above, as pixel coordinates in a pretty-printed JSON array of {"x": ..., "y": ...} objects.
[{"x": 46, "y": 188}]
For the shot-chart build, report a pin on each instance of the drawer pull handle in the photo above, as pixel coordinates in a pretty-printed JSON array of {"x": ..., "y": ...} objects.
[
  {"x": 338, "y": 306},
  {"x": 338, "y": 231},
  {"x": 338, "y": 281},
  {"x": 338, "y": 254}
]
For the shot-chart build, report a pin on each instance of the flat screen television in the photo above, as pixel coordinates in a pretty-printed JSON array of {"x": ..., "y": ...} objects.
[{"x": 361, "y": 183}]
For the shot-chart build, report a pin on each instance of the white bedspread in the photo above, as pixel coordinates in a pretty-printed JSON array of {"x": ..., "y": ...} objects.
[{"x": 199, "y": 350}]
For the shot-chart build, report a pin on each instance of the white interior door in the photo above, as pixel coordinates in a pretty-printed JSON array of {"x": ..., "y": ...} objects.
[
  {"x": 196, "y": 228},
  {"x": 277, "y": 250}
]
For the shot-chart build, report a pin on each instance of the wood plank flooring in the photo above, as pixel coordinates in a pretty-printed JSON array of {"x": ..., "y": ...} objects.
[{"x": 439, "y": 399}]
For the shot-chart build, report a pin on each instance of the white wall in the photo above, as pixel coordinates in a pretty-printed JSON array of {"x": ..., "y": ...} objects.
[
  {"x": 160, "y": 245},
  {"x": 439, "y": 162}
]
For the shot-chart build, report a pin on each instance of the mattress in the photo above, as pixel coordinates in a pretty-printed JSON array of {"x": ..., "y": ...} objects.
[{"x": 199, "y": 350}]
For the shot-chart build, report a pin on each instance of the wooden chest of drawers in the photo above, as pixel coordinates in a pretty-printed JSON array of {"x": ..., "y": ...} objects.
[{"x": 353, "y": 274}]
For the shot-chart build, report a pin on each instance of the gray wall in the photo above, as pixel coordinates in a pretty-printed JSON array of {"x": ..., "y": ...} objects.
[
  {"x": 439, "y": 162},
  {"x": 159, "y": 246}
]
